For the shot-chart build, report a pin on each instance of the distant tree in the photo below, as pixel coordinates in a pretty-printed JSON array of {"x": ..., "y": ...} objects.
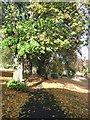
[{"x": 6, "y": 57}]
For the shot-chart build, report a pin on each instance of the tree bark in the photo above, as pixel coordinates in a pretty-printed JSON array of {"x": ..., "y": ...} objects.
[
  {"x": 18, "y": 71},
  {"x": 22, "y": 67},
  {"x": 21, "y": 71},
  {"x": 30, "y": 67},
  {"x": 46, "y": 72},
  {"x": 42, "y": 67}
]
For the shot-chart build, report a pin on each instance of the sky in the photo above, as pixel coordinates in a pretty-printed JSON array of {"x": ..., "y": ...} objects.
[{"x": 84, "y": 51}]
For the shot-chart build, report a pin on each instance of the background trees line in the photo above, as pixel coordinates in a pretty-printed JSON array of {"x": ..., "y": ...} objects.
[{"x": 44, "y": 35}]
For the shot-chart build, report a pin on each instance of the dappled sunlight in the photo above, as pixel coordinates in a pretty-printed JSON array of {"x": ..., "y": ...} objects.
[
  {"x": 80, "y": 79},
  {"x": 41, "y": 74},
  {"x": 72, "y": 102},
  {"x": 11, "y": 102},
  {"x": 64, "y": 84},
  {"x": 68, "y": 86},
  {"x": 47, "y": 96},
  {"x": 5, "y": 75},
  {"x": 5, "y": 78},
  {"x": 6, "y": 70},
  {"x": 77, "y": 79},
  {"x": 41, "y": 104}
]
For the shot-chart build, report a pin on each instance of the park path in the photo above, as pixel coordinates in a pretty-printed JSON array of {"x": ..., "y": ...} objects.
[{"x": 41, "y": 105}]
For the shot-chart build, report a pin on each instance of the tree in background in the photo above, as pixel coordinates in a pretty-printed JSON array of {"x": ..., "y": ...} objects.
[
  {"x": 6, "y": 58},
  {"x": 56, "y": 66}
]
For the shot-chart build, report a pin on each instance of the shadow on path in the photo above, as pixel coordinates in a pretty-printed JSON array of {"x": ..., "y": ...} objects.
[{"x": 41, "y": 105}]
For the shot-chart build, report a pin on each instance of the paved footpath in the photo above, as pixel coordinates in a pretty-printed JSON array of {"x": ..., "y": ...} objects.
[{"x": 41, "y": 105}]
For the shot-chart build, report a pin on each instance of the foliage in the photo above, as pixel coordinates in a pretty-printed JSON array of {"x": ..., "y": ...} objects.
[
  {"x": 6, "y": 57},
  {"x": 64, "y": 62},
  {"x": 19, "y": 86},
  {"x": 56, "y": 66},
  {"x": 70, "y": 58},
  {"x": 38, "y": 30}
]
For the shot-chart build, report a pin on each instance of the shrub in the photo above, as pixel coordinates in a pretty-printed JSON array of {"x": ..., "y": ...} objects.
[
  {"x": 11, "y": 83},
  {"x": 19, "y": 86}
]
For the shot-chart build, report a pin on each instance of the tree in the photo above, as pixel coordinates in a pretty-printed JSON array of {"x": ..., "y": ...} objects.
[
  {"x": 6, "y": 57},
  {"x": 35, "y": 31},
  {"x": 70, "y": 59},
  {"x": 56, "y": 66}
]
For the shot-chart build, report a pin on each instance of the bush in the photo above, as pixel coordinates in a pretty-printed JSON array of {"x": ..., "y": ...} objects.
[
  {"x": 11, "y": 83},
  {"x": 19, "y": 86},
  {"x": 7, "y": 66}
]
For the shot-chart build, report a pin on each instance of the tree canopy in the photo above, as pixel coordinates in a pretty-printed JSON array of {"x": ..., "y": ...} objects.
[{"x": 36, "y": 31}]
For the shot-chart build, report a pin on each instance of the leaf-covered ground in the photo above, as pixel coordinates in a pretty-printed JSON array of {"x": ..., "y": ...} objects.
[
  {"x": 74, "y": 103},
  {"x": 12, "y": 101},
  {"x": 42, "y": 104}
]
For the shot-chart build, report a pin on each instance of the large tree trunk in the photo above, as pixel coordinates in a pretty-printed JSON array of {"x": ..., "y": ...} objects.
[
  {"x": 40, "y": 69},
  {"x": 18, "y": 71},
  {"x": 21, "y": 71},
  {"x": 22, "y": 67},
  {"x": 46, "y": 71},
  {"x": 43, "y": 67},
  {"x": 28, "y": 66}
]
